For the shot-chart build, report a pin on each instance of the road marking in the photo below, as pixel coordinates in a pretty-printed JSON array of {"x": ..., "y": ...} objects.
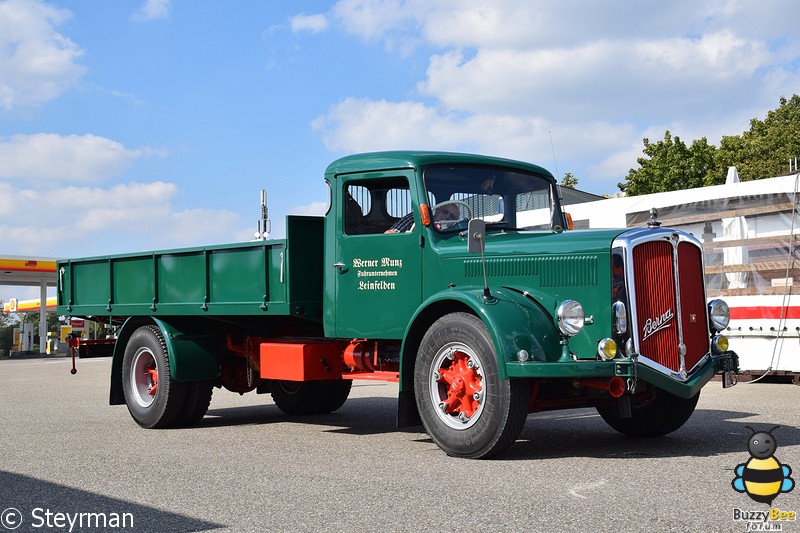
[{"x": 586, "y": 487}]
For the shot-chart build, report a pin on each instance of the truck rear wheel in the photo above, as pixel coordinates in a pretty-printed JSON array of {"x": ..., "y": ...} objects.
[
  {"x": 465, "y": 407},
  {"x": 338, "y": 391},
  {"x": 154, "y": 399},
  {"x": 661, "y": 414},
  {"x": 198, "y": 398},
  {"x": 299, "y": 397}
]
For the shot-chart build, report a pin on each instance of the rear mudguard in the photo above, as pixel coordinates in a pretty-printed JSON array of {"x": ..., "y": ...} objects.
[{"x": 190, "y": 359}]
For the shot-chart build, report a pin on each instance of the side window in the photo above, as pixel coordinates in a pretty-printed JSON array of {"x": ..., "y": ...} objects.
[
  {"x": 398, "y": 202},
  {"x": 360, "y": 195},
  {"x": 375, "y": 206}
]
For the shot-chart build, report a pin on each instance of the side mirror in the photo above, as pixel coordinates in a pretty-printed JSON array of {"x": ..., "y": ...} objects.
[{"x": 476, "y": 231}]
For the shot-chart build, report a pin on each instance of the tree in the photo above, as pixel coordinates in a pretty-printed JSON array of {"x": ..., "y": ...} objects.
[
  {"x": 761, "y": 152},
  {"x": 6, "y": 332},
  {"x": 6, "y": 339},
  {"x": 569, "y": 181},
  {"x": 53, "y": 322},
  {"x": 670, "y": 165},
  {"x": 5, "y": 319},
  {"x": 765, "y": 149}
]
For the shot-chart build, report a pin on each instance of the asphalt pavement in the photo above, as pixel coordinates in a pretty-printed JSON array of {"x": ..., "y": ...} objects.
[{"x": 69, "y": 460}]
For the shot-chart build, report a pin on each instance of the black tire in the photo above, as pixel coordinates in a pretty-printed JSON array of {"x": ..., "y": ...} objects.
[
  {"x": 479, "y": 427},
  {"x": 338, "y": 392},
  {"x": 198, "y": 398},
  {"x": 299, "y": 397},
  {"x": 663, "y": 413},
  {"x": 145, "y": 363}
]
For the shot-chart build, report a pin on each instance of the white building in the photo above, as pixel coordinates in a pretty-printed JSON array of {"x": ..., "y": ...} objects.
[{"x": 750, "y": 233}]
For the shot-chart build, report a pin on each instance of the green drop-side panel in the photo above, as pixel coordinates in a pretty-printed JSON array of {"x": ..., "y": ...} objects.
[
  {"x": 243, "y": 265},
  {"x": 252, "y": 278},
  {"x": 174, "y": 285},
  {"x": 90, "y": 283},
  {"x": 133, "y": 280}
]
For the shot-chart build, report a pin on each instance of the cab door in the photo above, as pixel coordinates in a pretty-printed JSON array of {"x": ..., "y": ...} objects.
[{"x": 378, "y": 277}]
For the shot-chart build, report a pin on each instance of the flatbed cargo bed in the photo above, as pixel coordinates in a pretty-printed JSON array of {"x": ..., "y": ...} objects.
[{"x": 241, "y": 279}]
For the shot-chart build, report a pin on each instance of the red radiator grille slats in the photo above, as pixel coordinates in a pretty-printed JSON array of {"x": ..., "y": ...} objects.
[
  {"x": 656, "y": 312},
  {"x": 693, "y": 305}
]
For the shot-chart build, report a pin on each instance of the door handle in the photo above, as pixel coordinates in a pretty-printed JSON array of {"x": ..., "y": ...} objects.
[{"x": 339, "y": 266}]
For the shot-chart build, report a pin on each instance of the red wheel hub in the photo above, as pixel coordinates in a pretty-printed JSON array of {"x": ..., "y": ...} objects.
[
  {"x": 461, "y": 381},
  {"x": 152, "y": 371}
]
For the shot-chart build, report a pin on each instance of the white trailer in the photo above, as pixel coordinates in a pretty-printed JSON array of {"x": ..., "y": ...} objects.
[{"x": 750, "y": 233}]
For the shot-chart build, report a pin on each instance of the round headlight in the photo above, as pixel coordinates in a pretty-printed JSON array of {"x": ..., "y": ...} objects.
[
  {"x": 719, "y": 315},
  {"x": 570, "y": 318},
  {"x": 620, "y": 317}
]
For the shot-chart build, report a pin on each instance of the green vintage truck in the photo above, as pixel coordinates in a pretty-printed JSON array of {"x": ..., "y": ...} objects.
[{"x": 454, "y": 275}]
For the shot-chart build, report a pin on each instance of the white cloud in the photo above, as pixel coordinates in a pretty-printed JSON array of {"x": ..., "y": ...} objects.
[
  {"x": 53, "y": 203},
  {"x": 6, "y": 198},
  {"x": 361, "y": 125},
  {"x": 367, "y": 125},
  {"x": 199, "y": 227},
  {"x": 36, "y": 62},
  {"x": 372, "y": 19},
  {"x": 509, "y": 76},
  {"x": 64, "y": 221},
  {"x": 152, "y": 10},
  {"x": 314, "y": 208},
  {"x": 313, "y": 23},
  {"x": 73, "y": 158},
  {"x": 524, "y": 24},
  {"x": 655, "y": 77}
]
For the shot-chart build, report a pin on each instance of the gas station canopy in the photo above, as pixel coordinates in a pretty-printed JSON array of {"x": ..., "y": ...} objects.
[{"x": 28, "y": 272}]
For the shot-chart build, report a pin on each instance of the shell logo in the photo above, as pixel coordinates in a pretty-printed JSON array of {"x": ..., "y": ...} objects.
[{"x": 12, "y": 305}]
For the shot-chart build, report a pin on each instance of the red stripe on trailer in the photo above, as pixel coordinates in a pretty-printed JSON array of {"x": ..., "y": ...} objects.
[{"x": 772, "y": 312}]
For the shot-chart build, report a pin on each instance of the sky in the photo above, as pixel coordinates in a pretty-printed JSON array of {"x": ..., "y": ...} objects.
[{"x": 134, "y": 125}]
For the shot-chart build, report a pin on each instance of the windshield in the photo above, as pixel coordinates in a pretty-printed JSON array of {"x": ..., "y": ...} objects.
[{"x": 504, "y": 198}]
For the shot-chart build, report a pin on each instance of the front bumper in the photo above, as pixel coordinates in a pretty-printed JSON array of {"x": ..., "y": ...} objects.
[{"x": 628, "y": 368}]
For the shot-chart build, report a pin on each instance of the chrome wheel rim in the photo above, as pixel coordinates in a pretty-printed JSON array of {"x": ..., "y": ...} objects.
[
  {"x": 457, "y": 386},
  {"x": 144, "y": 377}
]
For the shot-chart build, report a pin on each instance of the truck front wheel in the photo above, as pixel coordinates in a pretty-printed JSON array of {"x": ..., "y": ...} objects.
[
  {"x": 465, "y": 407},
  {"x": 154, "y": 399},
  {"x": 660, "y": 414}
]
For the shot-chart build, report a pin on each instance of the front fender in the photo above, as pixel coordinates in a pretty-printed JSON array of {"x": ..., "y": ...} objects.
[{"x": 514, "y": 322}]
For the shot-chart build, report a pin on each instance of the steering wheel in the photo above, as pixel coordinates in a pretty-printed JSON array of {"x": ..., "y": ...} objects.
[{"x": 462, "y": 206}]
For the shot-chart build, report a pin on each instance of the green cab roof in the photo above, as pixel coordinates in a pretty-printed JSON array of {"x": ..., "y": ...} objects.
[{"x": 408, "y": 159}]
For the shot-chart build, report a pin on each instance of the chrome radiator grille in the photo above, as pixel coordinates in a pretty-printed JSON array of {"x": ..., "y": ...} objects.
[{"x": 668, "y": 300}]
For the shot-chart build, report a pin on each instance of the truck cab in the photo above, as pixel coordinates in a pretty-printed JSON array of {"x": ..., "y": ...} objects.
[{"x": 430, "y": 197}]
